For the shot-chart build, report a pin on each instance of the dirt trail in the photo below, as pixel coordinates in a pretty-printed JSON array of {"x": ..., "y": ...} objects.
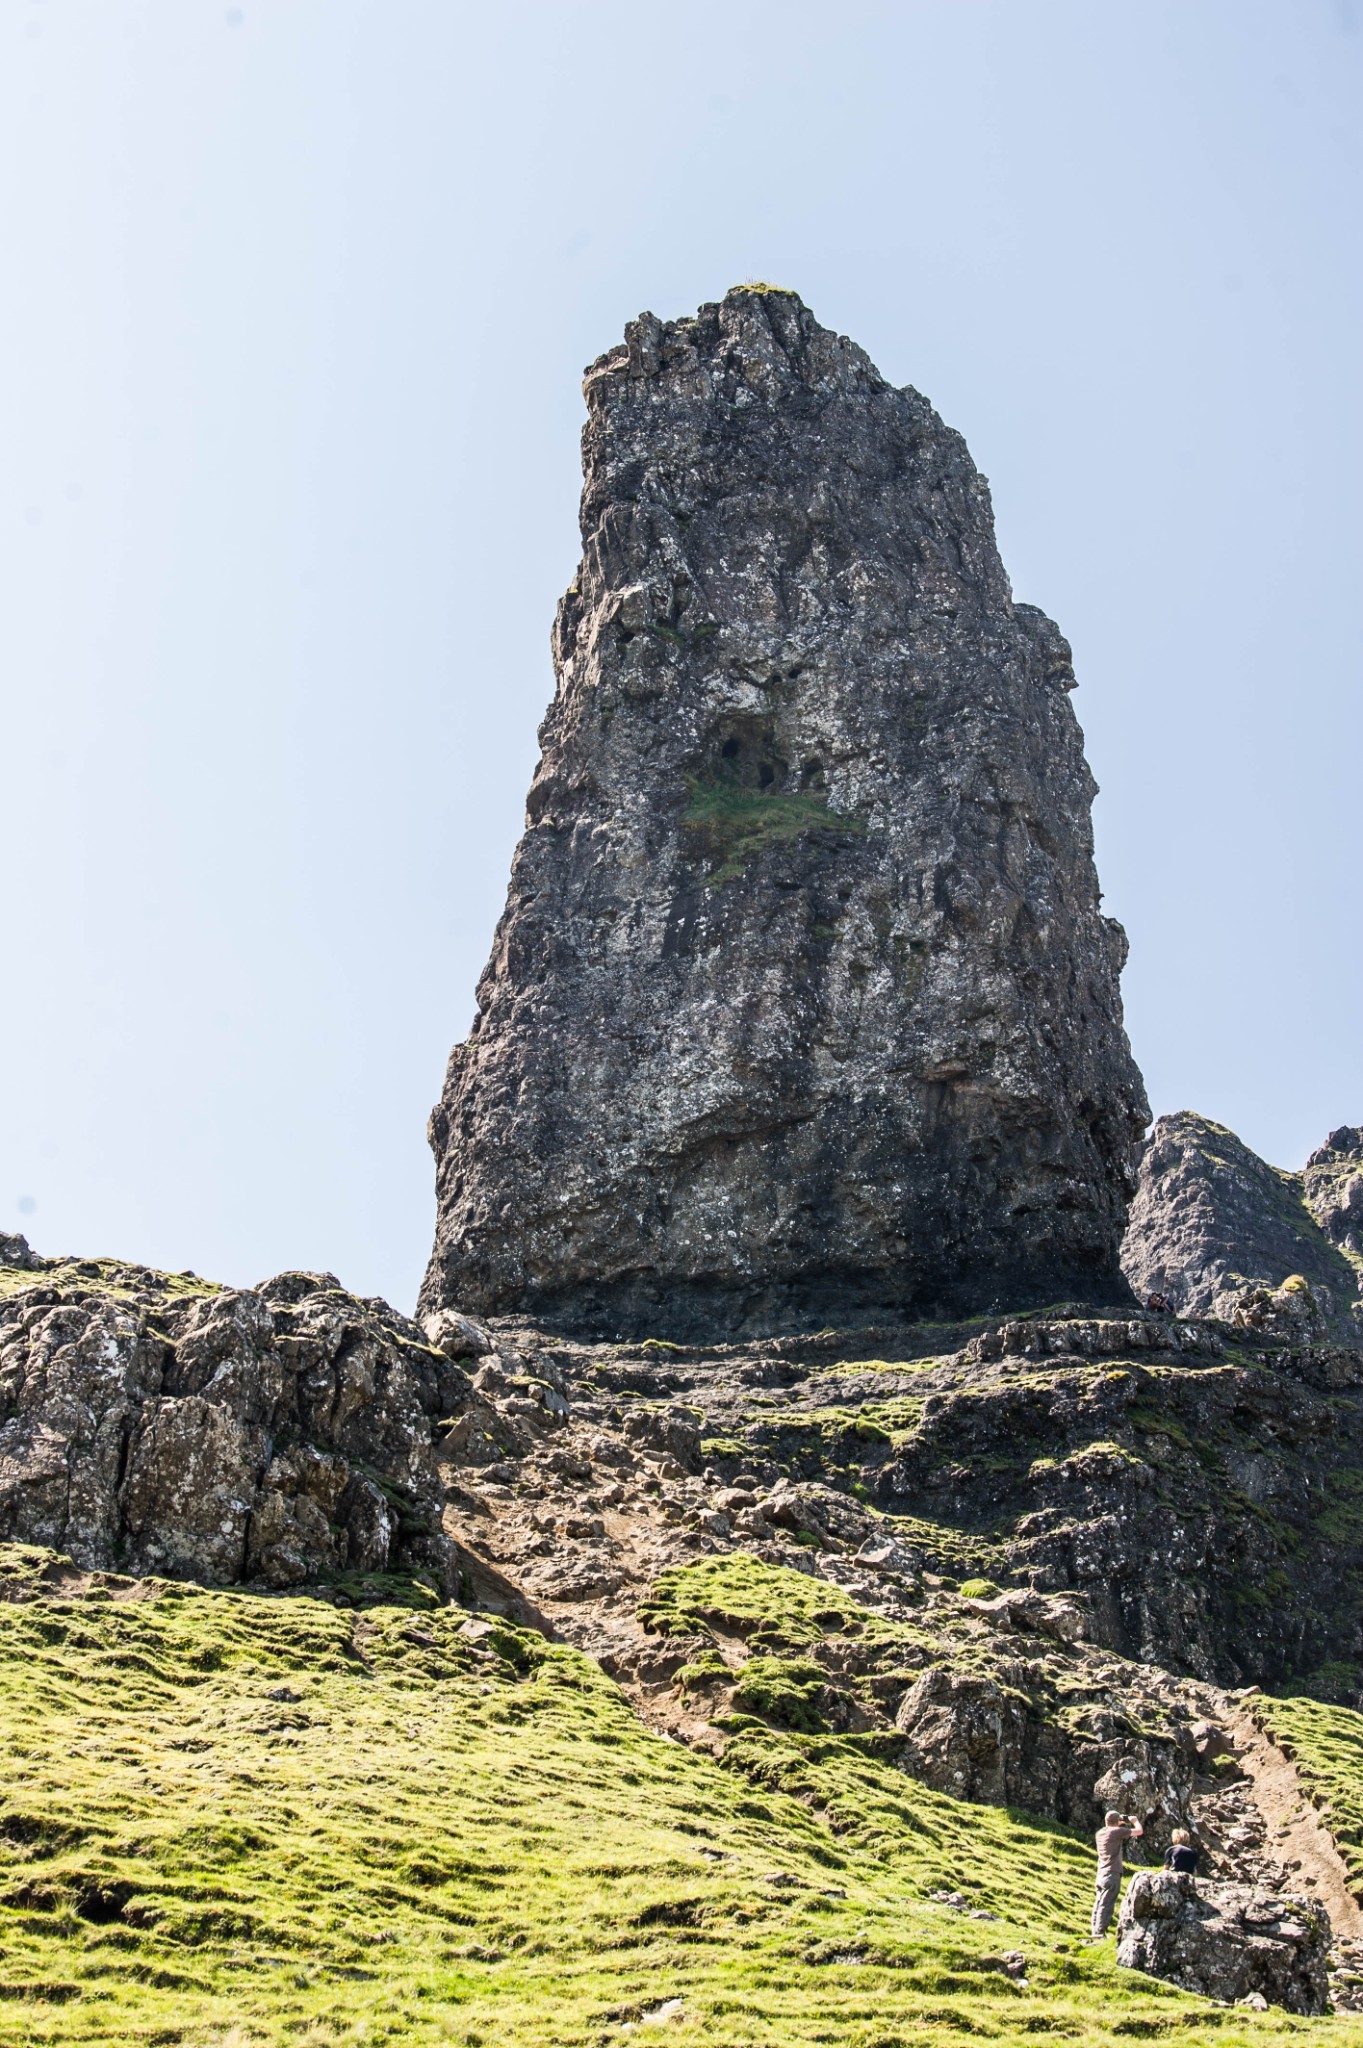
[{"x": 1296, "y": 1836}]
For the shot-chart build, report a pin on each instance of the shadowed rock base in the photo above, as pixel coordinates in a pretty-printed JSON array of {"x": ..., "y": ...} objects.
[{"x": 698, "y": 1312}]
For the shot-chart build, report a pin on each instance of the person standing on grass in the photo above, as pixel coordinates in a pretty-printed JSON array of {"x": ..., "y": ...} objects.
[{"x": 1117, "y": 1830}]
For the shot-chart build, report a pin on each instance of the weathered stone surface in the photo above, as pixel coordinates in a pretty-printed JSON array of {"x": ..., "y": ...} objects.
[
  {"x": 1333, "y": 1188},
  {"x": 274, "y": 1436},
  {"x": 456, "y": 1336},
  {"x": 977, "y": 1738},
  {"x": 1211, "y": 1219},
  {"x": 1230, "y": 1942},
  {"x": 1130, "y": 1485},
  {"x": 802, "y": 1007}
]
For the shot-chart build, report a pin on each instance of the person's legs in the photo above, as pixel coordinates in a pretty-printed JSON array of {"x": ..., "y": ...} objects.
[{"x": 1104, "y": 1899}]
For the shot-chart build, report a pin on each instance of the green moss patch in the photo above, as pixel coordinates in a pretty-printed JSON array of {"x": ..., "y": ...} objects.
[
  {"x": 730, "y": 825},
  {"x": 140, "y": 1284},
  {"x": 783, "y": 1690},
  {"x": 713, "y": 1447},
  {"x": 741, "y": 1596},
  {"x": 903, "y": 1365}
]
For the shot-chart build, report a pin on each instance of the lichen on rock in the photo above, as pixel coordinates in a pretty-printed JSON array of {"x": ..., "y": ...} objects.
[
  {"x": 1231, "y": 1942},
  {"x": 280, "y": 1436}
]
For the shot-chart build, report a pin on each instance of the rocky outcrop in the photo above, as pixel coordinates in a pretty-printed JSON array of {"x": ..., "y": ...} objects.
[
  {"x": 1333, "y": 1188},
  {"x": 1202, "y": 1505},
  {"x": 277, "y": 1436},
  {"x": 980, "y": 1737},
  {"x": 1229, "y": 1942},
  {"x": 1211, "y": 1219},
  {"x": 1144, "y": 1491},
  {"x": 802, "y": 1008},
  {"x": 1176, "y": 1493}
]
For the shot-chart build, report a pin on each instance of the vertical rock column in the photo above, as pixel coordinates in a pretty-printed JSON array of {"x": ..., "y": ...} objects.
[{"x": 802, "y": 1008}]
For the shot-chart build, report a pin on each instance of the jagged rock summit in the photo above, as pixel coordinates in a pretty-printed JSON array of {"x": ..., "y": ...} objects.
[{"x": 802, "y": 1007}]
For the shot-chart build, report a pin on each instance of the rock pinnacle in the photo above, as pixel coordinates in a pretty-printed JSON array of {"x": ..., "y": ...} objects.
[{"x": 802, "y": 1008}]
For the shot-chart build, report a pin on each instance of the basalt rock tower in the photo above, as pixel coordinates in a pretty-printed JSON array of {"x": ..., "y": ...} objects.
[{"x": 802, "y": 1009}]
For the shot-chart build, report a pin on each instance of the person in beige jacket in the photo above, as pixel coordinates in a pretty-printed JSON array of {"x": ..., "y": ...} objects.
[{"x": 1117, "y": 1830}]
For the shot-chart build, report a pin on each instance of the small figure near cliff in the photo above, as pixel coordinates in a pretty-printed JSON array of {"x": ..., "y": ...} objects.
[
  {"x": 1117, "y": 1830},
  {"x": 1181, "y": 1855}
]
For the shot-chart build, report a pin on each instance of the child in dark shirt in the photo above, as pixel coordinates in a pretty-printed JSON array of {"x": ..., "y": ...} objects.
[{"x": 1181, "y": 1855}]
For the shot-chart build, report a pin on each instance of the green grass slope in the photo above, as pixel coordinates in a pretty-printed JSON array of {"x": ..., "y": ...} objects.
[{"x": 228, "y": 1821}]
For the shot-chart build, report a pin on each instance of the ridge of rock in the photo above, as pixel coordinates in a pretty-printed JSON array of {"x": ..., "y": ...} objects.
[
  {"x": 280, "y": 1436},
  {"x": 1332, "y": 1187},
  {"x": 802, "y": 1008}
]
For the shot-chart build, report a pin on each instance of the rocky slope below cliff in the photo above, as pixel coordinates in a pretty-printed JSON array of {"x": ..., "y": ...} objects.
[
  {"x": 233, "y": 1819},
  {"x": 1032, "y": 1564}
]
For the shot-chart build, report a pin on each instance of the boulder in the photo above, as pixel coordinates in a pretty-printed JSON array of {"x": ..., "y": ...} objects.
[
  {"x": 454, "y": 1335},
  {"x": 790, "y": 1507},
  {"x": 1033, "y": 1613},
  {"x": 1229, "y": 1942},
  {"x": 888, "y": 1554},
  {"x": 1150, "y": 1782},
  {"x": 1295, "y": 1313},
  {"x": 674, "y": 1431},
  {"x": 962, "y": 1733}
]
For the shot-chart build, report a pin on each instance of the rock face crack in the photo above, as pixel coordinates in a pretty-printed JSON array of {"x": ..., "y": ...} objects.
[{"x": 802, "y": 1008}]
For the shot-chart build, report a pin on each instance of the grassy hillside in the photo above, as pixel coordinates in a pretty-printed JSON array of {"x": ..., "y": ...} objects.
[{"x": 236, "y": 1821}]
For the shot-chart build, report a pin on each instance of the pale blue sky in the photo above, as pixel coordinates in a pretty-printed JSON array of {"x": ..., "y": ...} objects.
[{"x": 297, "y": 298}]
